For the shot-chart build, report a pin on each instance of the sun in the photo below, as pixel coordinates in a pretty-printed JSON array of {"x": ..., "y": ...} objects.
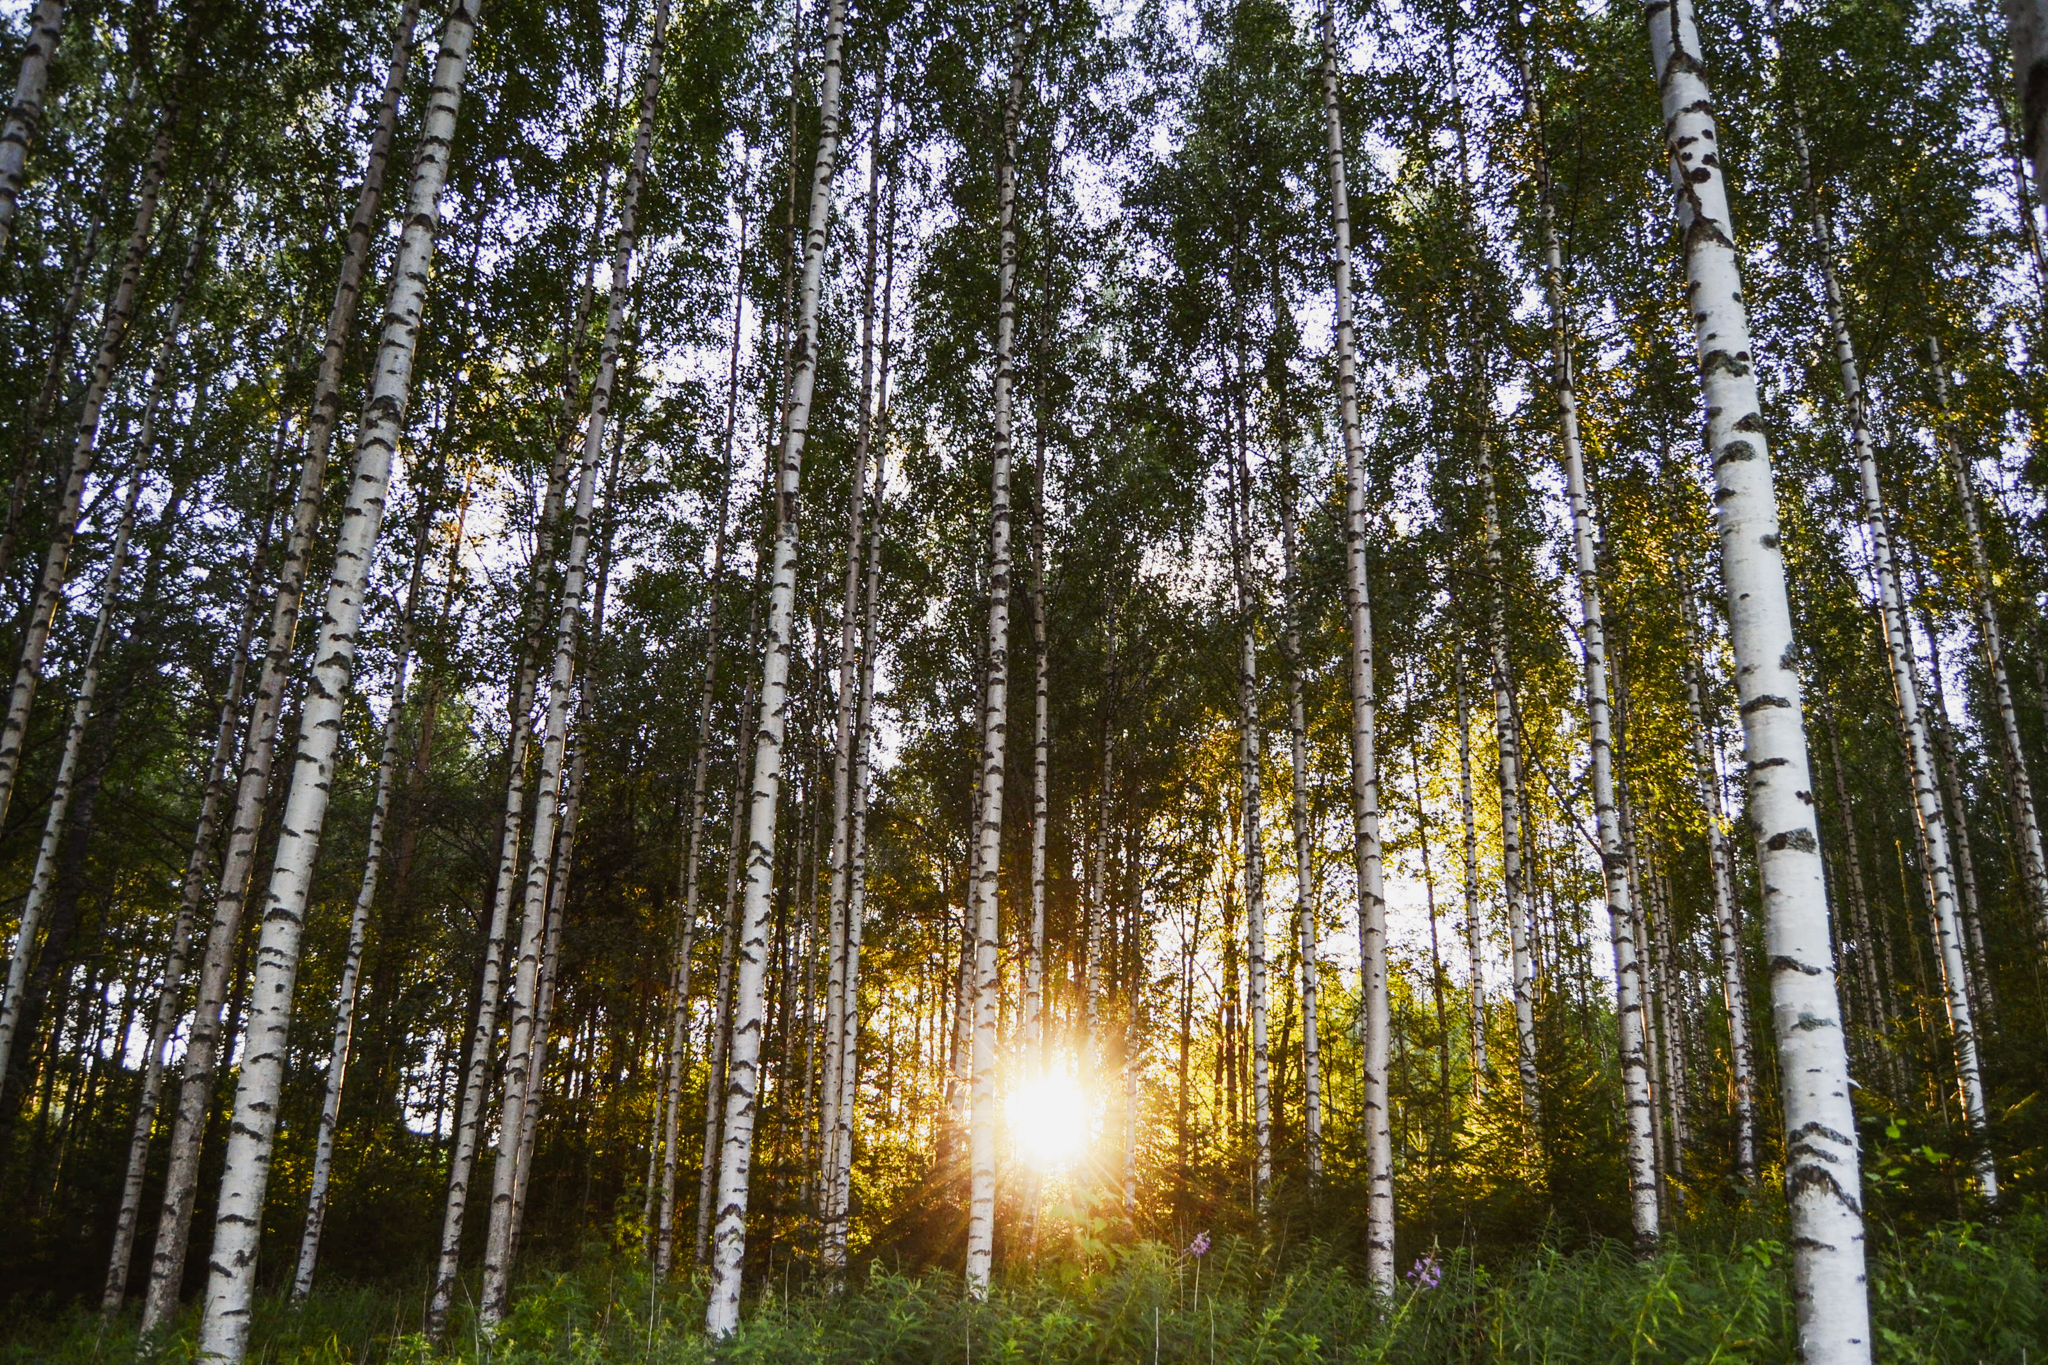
[{"x": 1049, "y": 1118}]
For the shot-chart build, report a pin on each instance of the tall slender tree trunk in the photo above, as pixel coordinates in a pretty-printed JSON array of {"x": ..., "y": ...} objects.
[
  {"x": 2033, "y": 861},
  {"x": 736, "y": 1149},
  {"x": 469, "y": 1129},
  {"x": 1514, "y": 892},
  {"x": 120, "y": 315},
  {"x": 844, "y": 1045},
  {"x": 1305, "y": 933},
  {"x": 238, "y": 861},
  {"x": 2027, "y": 24},
  {"x": 728, "y": 934},
  {"x": 358, "y": 929},
  {"x": 1473, "y": 948},
  {"x": 836, "y": 1001},
  {"x": 700, "y": 779},
  {"x": 25, "y": 114},
  {"x": 1250, "y": 802},
  {"x": 1365, "y": 794},
  {"x": 1614, "y": 861},
  {"x": 988, "y": 830},
  {"x": 45, "y": 869},
  {"x": 498, "y": 1245},
  {"x": 224, "y": 1327},
  {"x": 1727, "y": 927},
  {"x": 55, "y": 369},
  {"x": 1899, "y": 647},
  {"x": 839, "y": 1187},
  {"x": 1823, "y": 1184}
]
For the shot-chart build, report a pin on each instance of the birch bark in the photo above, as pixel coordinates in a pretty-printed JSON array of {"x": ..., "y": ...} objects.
[
  {"x": 2034, "y": 862},
  {"x": 839, "y": 1186},
  {"x": 252, "y": 787},
  {"x": 1899, "y": 648},
  {"x": 224, "y": 1327},
  {"x": 981, "y": 1215},
  {"x": 1823, "y": 1185},
  {"x": 736, "y": 1150},
  {"x": 469, "y": 1128},
  {"x": 1513, "y": 889},
  {"x": 25, "y": 114},
  {"x": 1372, "y": 904},
  {"x": 2027, "y": 24},
  {"x": 120, "y": 315},
  {"x": 1477, "y": 964},
  {"x": 1249, "y": 761},
  {"x": 45, "y": 869},
  {"x": 498, "y": 1245},
  {"x": 1614, "y": 861},
  {"x": 1727, "y": 929},
  {"x": 1305, "y": 935},
  {"x": 848, "y": 685},
  {"x": 700, "y": 779},
  {"x": 358, "y": 929}
]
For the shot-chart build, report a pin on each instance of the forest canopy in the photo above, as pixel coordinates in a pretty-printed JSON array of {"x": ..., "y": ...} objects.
[{"x": 788, "y": 646}]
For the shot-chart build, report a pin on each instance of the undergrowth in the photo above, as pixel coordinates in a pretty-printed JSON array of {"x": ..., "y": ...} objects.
[{"x": 1956, "y": 1295}]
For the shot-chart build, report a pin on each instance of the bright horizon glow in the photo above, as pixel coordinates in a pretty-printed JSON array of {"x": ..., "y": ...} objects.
[{"x": 1049, "y": 1117}]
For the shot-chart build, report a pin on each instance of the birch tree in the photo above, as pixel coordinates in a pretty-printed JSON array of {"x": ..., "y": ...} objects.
[
  {"x": 1932, "y": 819},
  {"x": 1822, "y": 1182},
  {"x": 1477, "y": 963},
  {"x": 358, "y": 929},
  {"x": 540, "y": 857},
  {"x": 252, "y": 787},
  {"x": 231, "y": 1282},
  {"x": 1372, "y": 904},
  {"x": 988, "y": 828},
  {"x": 1991, "y": 637},
  {"x": 1305, "y": 932},
  {"x": 742, "y": 1085},
  {"x": 67, "y": 772},
  {"x": 25, "y": 113},
  {"x": 119, "y": 316},
  {"x": 1629, "y": 988}
]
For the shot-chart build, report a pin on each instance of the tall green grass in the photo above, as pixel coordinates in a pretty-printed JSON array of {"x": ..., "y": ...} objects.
[{"x": 1957, "y": 1295}]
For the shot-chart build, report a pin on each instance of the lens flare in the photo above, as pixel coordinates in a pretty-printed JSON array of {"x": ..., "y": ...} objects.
[{"x": 1049, "y": 1117}]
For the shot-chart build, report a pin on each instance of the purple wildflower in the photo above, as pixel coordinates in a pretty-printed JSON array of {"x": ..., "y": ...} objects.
[
  {"x": 1200, "y": 1246},
  {"x": 1425, "y": 1273}
]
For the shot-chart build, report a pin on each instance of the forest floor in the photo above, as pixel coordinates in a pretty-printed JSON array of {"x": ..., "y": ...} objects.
[{"x": 1958, "y": 1294}]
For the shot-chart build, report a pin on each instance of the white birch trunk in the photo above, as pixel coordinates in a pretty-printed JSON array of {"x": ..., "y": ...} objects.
[
  {"x": 224, "y": 1327},
  {"x": 1514, "y": 894},
  {"x": 1249, "y": 761},
  {"x": 1305, "y": 934},
  {"x": 736, "y": 1150},
  {"x": 44, "y": 874},
  {"x": 1473, "y": 949},
  {"x": 1372, "y": 903},
  {"x": 839, "y": 1181},
  {"x": 252, "y": 788},
  {"x": 1823, "y": 1185},
  {"x": 25, "y": 114},
  {"x": 981, "y": 1215},
  {"x": 520, "y": 1033},
  {"x": 550, "y": 960},
  {"x": 1727, "y": 930},
  {"x": 2034, "y": 862},
  {"x": 700, "y": 780},
  {"x": 843, "y": 733},
  {"x": 1614, "y": 861},
  {"x": 1899, "y": 647},
  {"x": 49, "y": 596},
  {"x": 358, "y": 930}
]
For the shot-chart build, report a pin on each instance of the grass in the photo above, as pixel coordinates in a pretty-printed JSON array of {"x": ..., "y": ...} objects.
[{"x": 1961, "y": 1293}]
